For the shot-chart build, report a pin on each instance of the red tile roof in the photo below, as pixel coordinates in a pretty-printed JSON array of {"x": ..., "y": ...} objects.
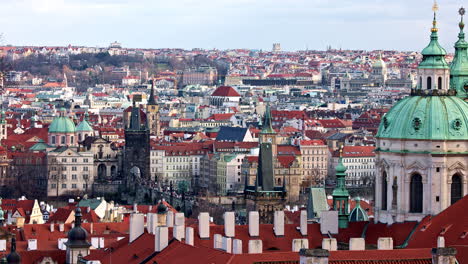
[{"x": 225, "y": 91}]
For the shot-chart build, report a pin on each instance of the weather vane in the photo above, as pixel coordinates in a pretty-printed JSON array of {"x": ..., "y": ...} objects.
[{"x": 461, "y": 11}]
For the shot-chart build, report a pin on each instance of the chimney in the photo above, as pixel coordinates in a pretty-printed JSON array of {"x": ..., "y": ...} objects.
[
  {"x": 61, "y": 227},
  {"x": 161, "y": 238},
  {"x": 229, "y": 224},
  {"x": 236, "y": 246},
  {"x": 330, "y": 244},
  {"x": 444, "y": 255},
  {"x": 61, "y": 243},
  {"x": 254, "y": 219},
  {"x": 149, "y": 223},
  {"x": 278, "y": 223},
  {"x": 189, "y": 236},
  {"x": 91, "y": 228},
  {"x": 227, "y": 244},
  {"x": 178, "y": 232},
  {"x": 217, "y": 241},
  {"x": 95, "y": 242},
  {"x": 137, "y": 227},
  {"x": 357, "y": 243},
  {"x": 32, "y": 244},
  {"x": 255, "y": 246},
  {"x": 88, "y": 209},
  {"x": 204, "y": 225},
  {"x": 52, "y": 228},
  {"x": 303, "y": 223},
  {"x": 135, "y": 208},
  {"x": 179, "y": 219},
  {"x": 313, "y": 256},
  {"x": 385, "y": 243},
  {"x": 329, "y": 222},
  {"x": 170, "y": 219},
  {"x": 440, "y": 242},
  {"x": 101, "y": 242},
  {"x": 3, "y": 245},
  {"x": 300, "y": 243}
]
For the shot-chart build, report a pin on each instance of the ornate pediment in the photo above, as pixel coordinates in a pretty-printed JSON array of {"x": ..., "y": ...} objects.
[
  {"x": 384, "y": 164},
  {"x": 457, "y": 166},
  {"x": 416, "y": 166}
]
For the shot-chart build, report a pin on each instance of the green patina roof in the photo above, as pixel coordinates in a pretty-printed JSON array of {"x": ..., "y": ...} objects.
[
  {"x": 84, "y": 126},
  {"x": 358, "y": 214},
  {"x": 316, "y": 202},
  {"x": 340, "y": 189},
  {"x": 62, "y": 124},
  {"x": 228, "y": 158},
  {"x": 459, "y": 66},
  {"x": 427, "y": 118},
  {"x": 92, "y": 203},
  {"x": 39, "y": 146},
  {"x": 379, "y": 63},
  {"x": 433, "y": 54}
]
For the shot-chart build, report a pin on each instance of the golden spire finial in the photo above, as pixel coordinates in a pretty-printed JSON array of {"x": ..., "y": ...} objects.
[
  {"x": 341, "y": 151},
  {"x": 435, "y": 8}
]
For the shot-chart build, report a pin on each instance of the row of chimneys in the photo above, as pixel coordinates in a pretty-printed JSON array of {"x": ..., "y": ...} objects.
[
  {"x": 440, "y": 255},
  {"x": 227, "y": 242}
]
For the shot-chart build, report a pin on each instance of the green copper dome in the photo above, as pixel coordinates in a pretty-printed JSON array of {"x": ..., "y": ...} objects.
[
  {"x": 358, "y": 214},
  {"x": 379, "y": 63},
  {"x": 84, "y": 126},
  {"x": 427, "y": 118},
  {"x": 62, "y": 124}
]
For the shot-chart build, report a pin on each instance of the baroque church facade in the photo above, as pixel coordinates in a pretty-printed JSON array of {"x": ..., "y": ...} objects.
[{"x": 422, "y": 142}]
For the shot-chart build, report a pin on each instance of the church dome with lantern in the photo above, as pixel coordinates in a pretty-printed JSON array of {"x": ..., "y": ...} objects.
[{"x": 422, "y": 141}]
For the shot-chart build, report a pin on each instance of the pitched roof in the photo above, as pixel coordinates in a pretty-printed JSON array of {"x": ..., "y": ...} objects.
[
  {"x": 225, "y": 91},
  {"x": 231, "y": 133}
]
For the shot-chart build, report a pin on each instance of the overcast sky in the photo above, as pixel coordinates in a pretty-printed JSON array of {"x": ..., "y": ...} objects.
[{"x": 224, "y": 24}]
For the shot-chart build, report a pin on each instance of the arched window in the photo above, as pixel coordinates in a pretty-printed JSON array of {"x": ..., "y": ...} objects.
[
  {"x": 384, "y": 190},
  {"x": 420, "y": 83},
  {"x": 416, "y": 194},
  {"x": 439, "y": 83},
  {"x": 455, "y": 189},
  {"x": 429, "y": 83}
]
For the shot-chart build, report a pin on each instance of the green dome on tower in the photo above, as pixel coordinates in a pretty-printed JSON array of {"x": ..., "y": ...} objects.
[
  {"x": 434, "y": 53},
  {"x": 459, "y": 67},
  {"x": 84, "y": 125},
  {"x": 62, "y": 124}
]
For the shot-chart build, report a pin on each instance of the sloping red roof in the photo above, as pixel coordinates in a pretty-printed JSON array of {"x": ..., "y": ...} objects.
[
  {"x": 452, "y": 224},
  {"x": 225, "y": 91},
  {"x": 286, "y": 161},
  {"x": 358, "y": 151},
  {"x": 219, "y": 117}
]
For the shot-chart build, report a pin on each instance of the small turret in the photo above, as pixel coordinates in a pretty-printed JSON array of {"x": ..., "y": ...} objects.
[
  {"x": 341, "y": 194},
  {"x": 459, "y": 67}
]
